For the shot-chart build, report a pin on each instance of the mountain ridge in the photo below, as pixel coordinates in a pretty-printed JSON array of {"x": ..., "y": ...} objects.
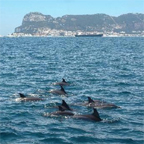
[{"x": 38, "y": 23}]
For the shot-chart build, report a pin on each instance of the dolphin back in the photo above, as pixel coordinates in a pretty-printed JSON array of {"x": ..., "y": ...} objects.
[{"x": 61, "y": 108}]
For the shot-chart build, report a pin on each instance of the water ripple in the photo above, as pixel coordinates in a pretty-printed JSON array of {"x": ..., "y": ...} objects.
[{"x": 107, "y": 69}]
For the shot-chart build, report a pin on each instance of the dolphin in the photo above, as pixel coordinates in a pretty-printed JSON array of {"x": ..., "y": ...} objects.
[
  {"x": 59, "y": 92},
  {"x": 94, "y": 116},
  {"x": 63, "y": 83},
  {"x": 65, "y": 106},
  {"x": 90, "y": 100},
  {"x": 24, "y": 98},
  {"x": 99, "y": 104},
  {"x": 62, "y": 111}
]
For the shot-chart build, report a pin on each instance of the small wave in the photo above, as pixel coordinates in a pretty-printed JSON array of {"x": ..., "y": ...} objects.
[
  {"x": 54, "y": 116},
  {"x": 125, "y": 93},
  {"x": 123, "y": 84},
  {"x": 50, "y": 105},
  {"x": 53, "y": 140},
  {"x": 111, "y": 121},
  {"x": 3, "y": 100}
]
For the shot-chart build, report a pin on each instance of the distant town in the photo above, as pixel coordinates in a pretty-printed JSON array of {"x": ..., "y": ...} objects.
[{"x": 62, "y": 33}]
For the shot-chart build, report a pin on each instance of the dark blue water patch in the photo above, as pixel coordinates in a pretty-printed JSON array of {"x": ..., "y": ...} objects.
[
  {"x": 54, "y": 140},
  {"x": 6, "y": 137},
  {"x": 83, "y": 139}
]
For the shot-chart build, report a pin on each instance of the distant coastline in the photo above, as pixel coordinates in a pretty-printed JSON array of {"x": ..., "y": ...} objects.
[
  {"x": 35, "y": 24},
  {"x": 104, "y": 35}
]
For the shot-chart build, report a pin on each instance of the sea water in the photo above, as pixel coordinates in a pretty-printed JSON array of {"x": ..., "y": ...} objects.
[{"x": 107, "y": 69}]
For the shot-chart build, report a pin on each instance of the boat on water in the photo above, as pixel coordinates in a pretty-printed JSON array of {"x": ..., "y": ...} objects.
[{"x": 88, "y": 35}]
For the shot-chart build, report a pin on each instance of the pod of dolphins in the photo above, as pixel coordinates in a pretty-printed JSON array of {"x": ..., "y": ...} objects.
[{"x": 65, "y": 110}]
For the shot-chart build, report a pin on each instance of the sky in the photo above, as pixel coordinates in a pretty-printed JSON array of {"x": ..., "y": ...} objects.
[{"x": 13, "y": 11}]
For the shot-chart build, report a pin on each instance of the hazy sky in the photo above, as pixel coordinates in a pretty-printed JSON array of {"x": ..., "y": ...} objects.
[{"x": 13, "y": 11}]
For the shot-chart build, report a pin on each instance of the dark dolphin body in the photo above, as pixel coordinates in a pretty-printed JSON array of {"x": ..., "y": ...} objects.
[
  {"x": 94, "y": 116},
  {"x": 63, "y": 83},
  {"x": 99, "y": 104},
  {"x": 62, "y": 111},
  {"x": 24, "y": 98},
  {"x": 59, "y": 92}
]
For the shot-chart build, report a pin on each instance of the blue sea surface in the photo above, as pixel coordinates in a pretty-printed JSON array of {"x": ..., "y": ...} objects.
[{"x": 107, "y": 69}]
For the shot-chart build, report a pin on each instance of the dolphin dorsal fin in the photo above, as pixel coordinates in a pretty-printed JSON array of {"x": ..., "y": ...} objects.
[
  {"x": 95, "y": 113},
  {"x": 65, "y": 105},
  {"x": 63, "y": 80},
  {"x": 90, "y": 100},
  {"x": 22, "y": 95},
  {"x": 60, "y": 108},
  {"x": 62, "y": 89}
]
